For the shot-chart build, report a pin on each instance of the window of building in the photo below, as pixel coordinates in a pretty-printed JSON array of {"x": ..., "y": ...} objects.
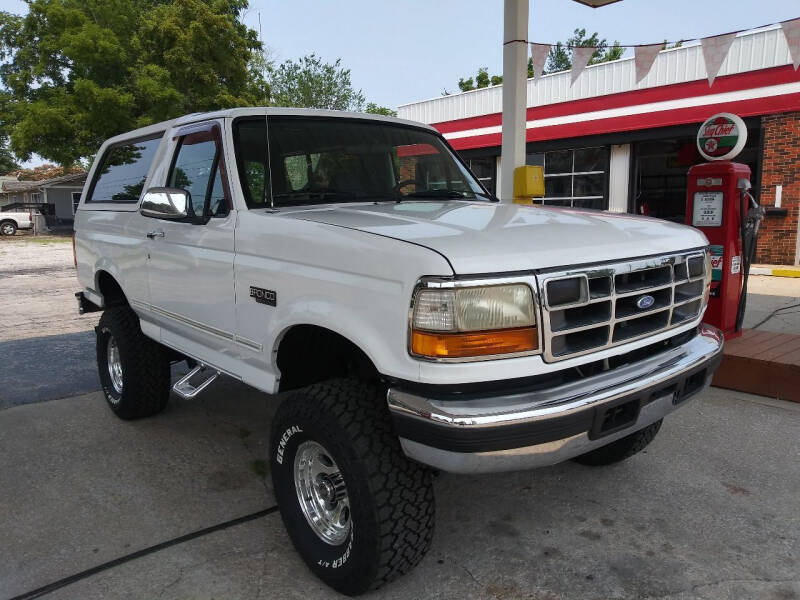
[
  {"x": 659, "y": 174},
  {"x": 76, "y": 199},
  {"x": 123, "y": 171},
  {"x": 36, "y": 197},
  {"x": 485, "y": 169},
  {"x": 575, "y": 177}
]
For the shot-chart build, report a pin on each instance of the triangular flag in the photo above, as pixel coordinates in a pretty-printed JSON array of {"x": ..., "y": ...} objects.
[
  {"x": 715, "y": 49},
  {"x": 791, "y": 29},
  {"x": 539, "y": 54},
  {"x": 580, "y": 58},
  {"x": 644, "y": 56}
]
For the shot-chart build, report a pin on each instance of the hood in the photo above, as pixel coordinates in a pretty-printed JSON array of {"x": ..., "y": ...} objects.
[{"x": 483, "y": 237}]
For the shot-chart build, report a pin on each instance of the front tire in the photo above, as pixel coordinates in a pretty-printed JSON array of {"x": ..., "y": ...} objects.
[
  {"x": 134, "y": 370},
  {"x": 621, "y": 449},
  {"x": 357, "y": 510}
]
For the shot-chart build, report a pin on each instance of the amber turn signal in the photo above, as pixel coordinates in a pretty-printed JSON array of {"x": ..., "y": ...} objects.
[{"x": 474, "y": 343}]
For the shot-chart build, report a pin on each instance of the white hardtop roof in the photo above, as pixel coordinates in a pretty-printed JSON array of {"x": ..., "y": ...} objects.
[{"x": 231, "y": 113}]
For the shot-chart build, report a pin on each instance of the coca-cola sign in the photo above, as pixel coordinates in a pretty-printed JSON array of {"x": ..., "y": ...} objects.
[{"x": 721, "y": 137}]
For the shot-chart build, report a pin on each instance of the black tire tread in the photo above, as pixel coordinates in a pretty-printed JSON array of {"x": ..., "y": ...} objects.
[
  {"x": 403, "y": 488},
  {"x": 621, "y": 449},
  {"x": 146, "y": 369}
]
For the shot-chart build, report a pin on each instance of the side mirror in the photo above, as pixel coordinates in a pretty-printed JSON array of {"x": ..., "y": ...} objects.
[{"x": 165, "y": 203}]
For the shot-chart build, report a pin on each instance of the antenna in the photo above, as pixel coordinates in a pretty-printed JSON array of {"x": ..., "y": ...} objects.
[{"x": 263, "y": 58}]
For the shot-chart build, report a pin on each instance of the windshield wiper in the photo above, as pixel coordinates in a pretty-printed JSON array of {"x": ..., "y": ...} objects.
[
  {"x": 438, "y": 194},
  {"x": 314, "y": 194}
]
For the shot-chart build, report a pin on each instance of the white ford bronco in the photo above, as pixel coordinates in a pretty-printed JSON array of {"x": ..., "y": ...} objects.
[{"x": 417, "y": 323}]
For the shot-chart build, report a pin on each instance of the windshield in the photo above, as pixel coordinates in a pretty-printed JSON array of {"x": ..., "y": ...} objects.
[{"x": 321, "y": 161}]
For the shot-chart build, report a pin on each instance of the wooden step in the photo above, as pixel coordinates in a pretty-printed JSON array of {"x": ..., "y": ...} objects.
[{"x": 762, "y": 362}]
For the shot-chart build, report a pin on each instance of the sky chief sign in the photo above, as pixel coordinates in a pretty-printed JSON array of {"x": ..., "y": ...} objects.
[{"x": 721, "y": 137}]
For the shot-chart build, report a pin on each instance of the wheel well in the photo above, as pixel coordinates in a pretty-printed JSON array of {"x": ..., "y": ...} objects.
[
  {"x": 110, "y": 290},
  {"x": 309, "y": 354},
  {"x": 8, "y": 220}
]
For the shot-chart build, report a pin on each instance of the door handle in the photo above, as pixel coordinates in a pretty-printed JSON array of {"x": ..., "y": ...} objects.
[{"x": 155, "y": 233}]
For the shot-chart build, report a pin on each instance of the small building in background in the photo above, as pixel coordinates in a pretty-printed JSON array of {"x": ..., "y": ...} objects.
[
  {"x": 609, "y": 143},
  {"x": 56, "y": 198}
]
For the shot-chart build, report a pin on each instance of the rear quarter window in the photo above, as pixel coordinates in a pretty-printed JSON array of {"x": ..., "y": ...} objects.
[{"x": 123, "y": 170}]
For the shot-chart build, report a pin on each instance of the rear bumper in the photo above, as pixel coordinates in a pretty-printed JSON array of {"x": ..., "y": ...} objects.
[{"x": 532, "y": 429}]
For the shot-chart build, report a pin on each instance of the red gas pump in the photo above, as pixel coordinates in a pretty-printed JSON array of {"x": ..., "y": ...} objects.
[{"x": 719, "y": 203}]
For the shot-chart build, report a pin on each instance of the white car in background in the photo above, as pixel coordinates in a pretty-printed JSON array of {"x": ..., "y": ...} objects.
[{"x": 10, "y": 222}]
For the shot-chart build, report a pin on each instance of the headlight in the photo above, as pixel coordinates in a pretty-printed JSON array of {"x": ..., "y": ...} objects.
[{"x": 473, "y": 321}]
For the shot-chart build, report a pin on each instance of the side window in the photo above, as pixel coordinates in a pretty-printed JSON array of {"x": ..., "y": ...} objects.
[
  {"x": 197, "y": 170},
  {"x": 122, "y": 171}
]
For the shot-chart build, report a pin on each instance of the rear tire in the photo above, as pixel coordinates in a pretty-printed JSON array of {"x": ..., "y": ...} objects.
[
  {"x": 8, "y": 228},
  {"x": 387, "y": 528},
  {"x": 134, "y": 370},
  {"x": 621, "y": 449}
]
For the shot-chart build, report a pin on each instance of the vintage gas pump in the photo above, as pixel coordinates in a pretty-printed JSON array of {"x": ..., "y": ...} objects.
[{"x": 720, "y": 204}]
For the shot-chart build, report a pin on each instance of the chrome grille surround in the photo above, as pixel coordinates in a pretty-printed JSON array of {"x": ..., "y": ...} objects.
[{"x": 608, "y": 305}]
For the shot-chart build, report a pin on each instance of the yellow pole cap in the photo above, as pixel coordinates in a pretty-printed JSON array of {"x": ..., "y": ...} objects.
[{"x": 528, "y": 183}]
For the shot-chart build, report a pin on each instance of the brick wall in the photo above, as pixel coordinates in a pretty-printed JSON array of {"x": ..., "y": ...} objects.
[{"x": 777, "y": 238}]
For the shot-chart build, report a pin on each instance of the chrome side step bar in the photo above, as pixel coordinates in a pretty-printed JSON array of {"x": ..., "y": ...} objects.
[{"x": 186, "y": 389}]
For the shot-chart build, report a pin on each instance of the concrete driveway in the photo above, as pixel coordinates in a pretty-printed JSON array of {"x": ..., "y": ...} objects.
[{"x": 709, "y": 510}]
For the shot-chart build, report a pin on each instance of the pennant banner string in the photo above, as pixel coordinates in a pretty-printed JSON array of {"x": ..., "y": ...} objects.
[{"x": 682, "y": 41}]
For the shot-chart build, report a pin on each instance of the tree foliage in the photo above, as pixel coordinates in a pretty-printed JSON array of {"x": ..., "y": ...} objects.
[
  {"x": 310, "y": 82},
  {"x": 374, "y": 109},
  {"x": 559, "y": 59},
  {"x": 76, "y": 72},
  {"x": 7, "y": 161},
  {"x": 45, "y": 171}
]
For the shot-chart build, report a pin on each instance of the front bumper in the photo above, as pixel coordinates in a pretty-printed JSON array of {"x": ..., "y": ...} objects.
[{"x": 531, "y": 429}]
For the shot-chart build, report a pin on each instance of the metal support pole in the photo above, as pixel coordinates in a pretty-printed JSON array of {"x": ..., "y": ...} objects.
[{"x": 515, "y": 76}]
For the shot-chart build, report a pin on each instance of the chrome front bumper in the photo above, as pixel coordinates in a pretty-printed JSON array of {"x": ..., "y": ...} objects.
[{"x": 530, "y": 429}]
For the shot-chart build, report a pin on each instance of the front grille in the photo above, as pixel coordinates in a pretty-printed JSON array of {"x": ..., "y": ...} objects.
[{"x": 586, "y": 309}]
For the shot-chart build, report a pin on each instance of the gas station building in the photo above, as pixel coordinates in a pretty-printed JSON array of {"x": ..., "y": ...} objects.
[{"x": 608, "y": 143}]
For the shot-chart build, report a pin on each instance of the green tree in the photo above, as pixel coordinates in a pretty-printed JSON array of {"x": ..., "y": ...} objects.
[
  {"x": 76, "y": 72},
  {"x": 7, "y": 161},
  {"x": 560, "y": 58},
  {"x": 374, "y": 109},
  {"x": 310, "y": 82},
  {"x": 481, "y": 80}
]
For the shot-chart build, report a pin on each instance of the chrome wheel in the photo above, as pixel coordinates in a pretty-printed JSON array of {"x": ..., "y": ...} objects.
[
  {"x": 7, "y": 229},
  {"x": 321, "y": 493},
  {"x": 114, "y": 364}
]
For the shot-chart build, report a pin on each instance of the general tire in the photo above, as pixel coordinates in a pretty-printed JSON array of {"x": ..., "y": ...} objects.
[
  {"x": 621, "y": 449},
  {"x": 8, "y": 228},
  {"x": 390, "y": 497},
  {"x": 145, "y": 366}
]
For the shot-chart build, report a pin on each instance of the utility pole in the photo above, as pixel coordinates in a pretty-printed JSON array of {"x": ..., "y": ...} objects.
[{"x": 515, "y": 77}]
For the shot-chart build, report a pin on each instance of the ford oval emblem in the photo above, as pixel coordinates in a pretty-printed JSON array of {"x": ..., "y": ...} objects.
[{"x": 645, "y": 301}]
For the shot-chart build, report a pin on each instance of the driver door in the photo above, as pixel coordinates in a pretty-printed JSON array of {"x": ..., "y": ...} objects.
[{"x": 190, "y": 262}]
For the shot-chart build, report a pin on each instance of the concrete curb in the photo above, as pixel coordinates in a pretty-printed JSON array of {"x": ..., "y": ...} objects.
[{"x": 780, "y": 271}]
